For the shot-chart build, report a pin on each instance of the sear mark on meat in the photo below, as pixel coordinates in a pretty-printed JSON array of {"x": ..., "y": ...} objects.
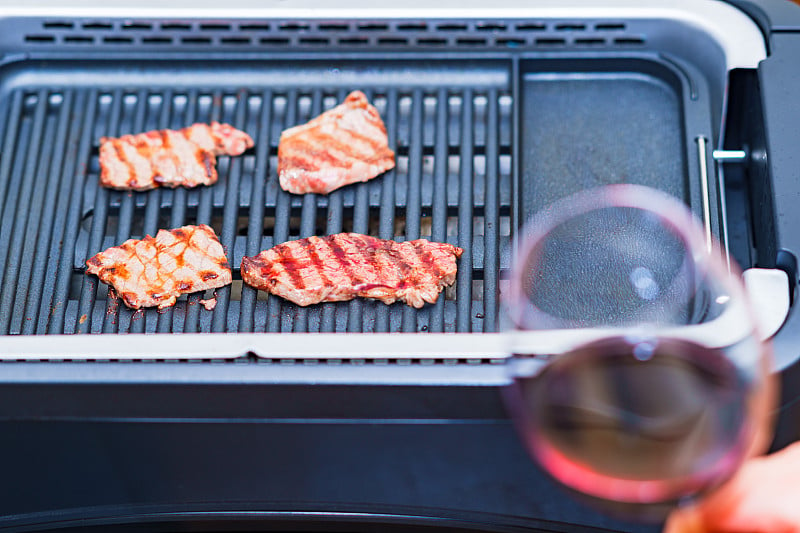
[
  {"x": 169, "y": 158},
  {"x": 344, "y": 145},
  {"x": 154, "y": 271},
  {"x": 346, "y": 265}
]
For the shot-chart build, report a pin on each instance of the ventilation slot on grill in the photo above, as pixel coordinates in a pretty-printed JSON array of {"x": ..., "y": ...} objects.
[{"x": 285, "y": 35}]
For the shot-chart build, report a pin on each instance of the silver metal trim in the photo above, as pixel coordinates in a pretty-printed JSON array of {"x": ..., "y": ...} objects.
[
  {"x": 723, "y": 331},
  {"x": 729, "y": 156},
  {"x": 702, "y": 147},
  {"x": 279, "y": 345}
]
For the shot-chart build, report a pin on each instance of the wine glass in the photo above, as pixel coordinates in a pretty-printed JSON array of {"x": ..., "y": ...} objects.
[{"x": 638, "y": 377}]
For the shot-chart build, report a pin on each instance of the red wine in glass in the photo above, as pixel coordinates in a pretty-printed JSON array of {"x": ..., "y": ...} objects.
[{"x": 638, "y": 378}]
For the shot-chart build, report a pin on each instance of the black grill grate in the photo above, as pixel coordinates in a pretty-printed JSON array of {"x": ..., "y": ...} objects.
[{"x": 452, "y": 183}]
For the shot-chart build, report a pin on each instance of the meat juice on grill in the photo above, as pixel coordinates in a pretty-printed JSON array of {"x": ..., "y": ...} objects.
[
  {"x": 154, "y": 271},
  {"x": 168, "y": 158},
  {"x": 344, "y": 145},
  {"x": 347, "y": 265}
]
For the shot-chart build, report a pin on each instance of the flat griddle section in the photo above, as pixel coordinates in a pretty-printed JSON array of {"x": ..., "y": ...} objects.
[
  {"x": 600, "y": 123},
  {"x": 450, "y": 124}
]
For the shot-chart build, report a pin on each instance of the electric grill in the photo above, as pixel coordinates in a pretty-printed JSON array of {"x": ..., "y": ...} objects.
[{"x": 340, "y": 416}]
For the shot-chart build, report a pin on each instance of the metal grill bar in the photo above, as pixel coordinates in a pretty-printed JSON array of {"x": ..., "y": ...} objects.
[
  {"x": 255, "y": 224},
  {"x": 178, "y": 214},
  {"x": 465, "y": 197},
  {"x": 45, "y": 225},
  {"x": 386, "y": 215},
  {"x": 30, "y": 192},
  {"x": 204, "y": 207},
  {"x": 450, "y": 185},
  {"x": 413, "y": 208},
  {"x": 58, "y": 305},
  {"x": 491, "y": 261}
]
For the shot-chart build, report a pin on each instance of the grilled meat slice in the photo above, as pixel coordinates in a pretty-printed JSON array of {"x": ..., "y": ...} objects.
[
  {"x": 155, "y": 271},
  {"x": 168, "y": 158},
  {"x": 344, "y": 145},
  {"x": 342, "y": 266}
]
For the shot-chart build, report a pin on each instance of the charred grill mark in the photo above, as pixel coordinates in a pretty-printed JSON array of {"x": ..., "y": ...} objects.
[
  {"x": 143, "y": 148},
  {"x": 311, "y": 250},
  {"x": 341, "y": 256},
  {"x": 166, "y": 143},
  {"x": 130, "y": 300},
  {"x": 208, "y": 162},
  {"x": 427, "y": 259},
  {"x": 131, "y": 178},
  {"x": 398, "y": 260},
  {"x": 207, "y": 275},
  {"x": 315, "y": 153},
  {"x": 376, "y": 144},
  {"x": 297, "y": 160},
  {"x": 291, "y": 265},
  {"x": 340, "y": 143}
]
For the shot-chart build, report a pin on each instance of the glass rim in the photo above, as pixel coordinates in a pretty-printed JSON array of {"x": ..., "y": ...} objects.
[{"x": 669, "y": 209}]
